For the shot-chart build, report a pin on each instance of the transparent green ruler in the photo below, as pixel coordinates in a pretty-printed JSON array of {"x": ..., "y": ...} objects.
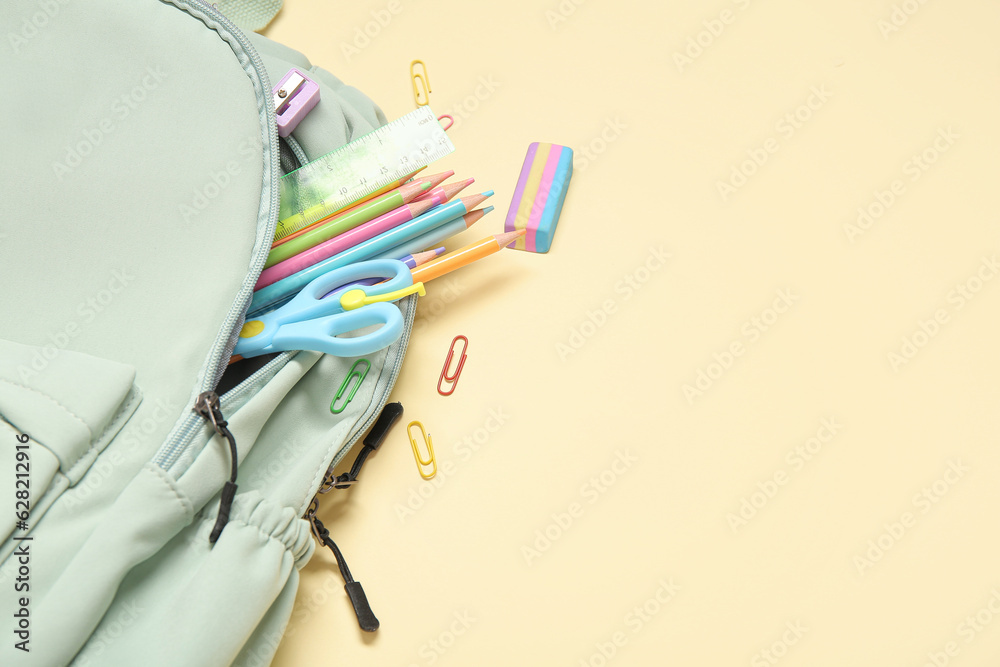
[{"x": 354, "y": 171}]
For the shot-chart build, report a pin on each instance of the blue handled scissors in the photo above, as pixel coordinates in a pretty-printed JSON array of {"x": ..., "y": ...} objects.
[{"x": 310, "y": 322}]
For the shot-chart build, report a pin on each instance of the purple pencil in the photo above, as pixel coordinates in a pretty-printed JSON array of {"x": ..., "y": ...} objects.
[{"x": 412, "y": 261}]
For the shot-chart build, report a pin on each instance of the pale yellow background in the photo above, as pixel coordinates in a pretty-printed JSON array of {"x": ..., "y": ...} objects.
[{"x": 671, "y": 134}]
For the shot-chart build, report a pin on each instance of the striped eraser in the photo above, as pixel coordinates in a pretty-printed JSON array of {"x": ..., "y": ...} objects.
[{"x": 538, "y": 197}]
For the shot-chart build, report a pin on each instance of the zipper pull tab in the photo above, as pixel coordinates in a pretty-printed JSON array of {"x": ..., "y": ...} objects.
[
  {"x": 363, "y": 610},
  {"x": 207, "y": 405},
  {"x": 390, "y": 415}
]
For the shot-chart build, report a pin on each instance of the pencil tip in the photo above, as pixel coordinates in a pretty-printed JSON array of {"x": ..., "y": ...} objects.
[
  {"x": 487, "y": 210},
  {"x": 507, "y": 237},
  {"x": 438, "y": 251}
]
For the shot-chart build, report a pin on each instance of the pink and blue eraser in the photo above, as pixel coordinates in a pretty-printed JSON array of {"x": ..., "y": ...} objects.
[{"x": 539, "y": 195}]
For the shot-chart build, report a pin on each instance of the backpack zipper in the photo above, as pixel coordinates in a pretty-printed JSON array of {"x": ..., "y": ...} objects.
[
  {"x": 363, "y": 610},
  {"x": 207, "y": 406},
  {"x": 172, "y": 449},
  {"x": 389, "y": 415}
]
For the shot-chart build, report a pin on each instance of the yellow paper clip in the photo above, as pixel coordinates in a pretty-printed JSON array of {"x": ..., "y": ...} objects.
[
  {"x": 421, "y": 461},
  {"x": 425, "y": 83}
]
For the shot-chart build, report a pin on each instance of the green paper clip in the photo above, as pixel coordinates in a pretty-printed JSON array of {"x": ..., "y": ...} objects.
[{"x": 340, "y": 392}]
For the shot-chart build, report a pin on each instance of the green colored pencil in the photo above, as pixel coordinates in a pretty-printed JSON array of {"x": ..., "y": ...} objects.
[{"x": 324, "y": 230}]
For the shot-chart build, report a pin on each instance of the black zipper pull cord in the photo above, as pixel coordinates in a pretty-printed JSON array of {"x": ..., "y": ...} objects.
[
  {"x": 389, "y": 416},
  {"x": 207, "y": 406},
  {"x": 363, "y": 610}
]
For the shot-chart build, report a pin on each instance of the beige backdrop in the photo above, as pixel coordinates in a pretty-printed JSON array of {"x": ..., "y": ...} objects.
[{"x": 744, "y": 413}]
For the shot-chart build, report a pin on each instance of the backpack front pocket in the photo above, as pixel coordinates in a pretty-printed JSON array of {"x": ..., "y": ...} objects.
[{"x": 69, "y": 405}]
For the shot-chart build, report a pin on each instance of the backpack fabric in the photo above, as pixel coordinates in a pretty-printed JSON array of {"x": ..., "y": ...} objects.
[{"x": 139, "y": 199}]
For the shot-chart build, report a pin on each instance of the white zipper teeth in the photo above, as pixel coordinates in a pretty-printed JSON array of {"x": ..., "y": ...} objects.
[
  {"x": 171, "y": 450},
  {"x": 403, "y": 343}
]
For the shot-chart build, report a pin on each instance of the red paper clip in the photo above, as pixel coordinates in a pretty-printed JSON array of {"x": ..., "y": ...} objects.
[{"x": 453, "y": 379}]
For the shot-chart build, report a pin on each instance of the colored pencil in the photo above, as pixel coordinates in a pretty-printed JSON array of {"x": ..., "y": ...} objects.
[
  {"x": 339, "y": 224},
  {"x": 342, "y": 242},
  {"x": 411, "y": 261},
  {"x": 320, "y": 207},
  {"x": 435, "y": 217},
  {"x": 449, "y": 189},
  {"x": 463, "y": 256},
  {"x": 435, "y": 180},
  {"x": 415, "y": 260},
  {"x": 436, "y": 235}
]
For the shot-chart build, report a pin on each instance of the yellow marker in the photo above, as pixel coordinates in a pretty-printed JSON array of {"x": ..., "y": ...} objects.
[
  {"x": 421, "y": 461},
  {"x": 355, "y": 298}
]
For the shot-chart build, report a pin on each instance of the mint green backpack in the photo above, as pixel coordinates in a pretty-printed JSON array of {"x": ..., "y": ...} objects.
[{"x": 139, "y": 199}]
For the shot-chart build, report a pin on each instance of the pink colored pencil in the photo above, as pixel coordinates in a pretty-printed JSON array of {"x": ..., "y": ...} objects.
[
  {"x": 449, "y": 190},
  {"x": 342, "y": 242}
]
